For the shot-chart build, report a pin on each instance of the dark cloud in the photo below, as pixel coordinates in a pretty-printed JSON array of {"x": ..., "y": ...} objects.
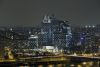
[{"x": 31, "y": 12}]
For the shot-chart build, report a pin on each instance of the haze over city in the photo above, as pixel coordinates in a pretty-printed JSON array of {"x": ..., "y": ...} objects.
[{"x": 31, "y": 12}]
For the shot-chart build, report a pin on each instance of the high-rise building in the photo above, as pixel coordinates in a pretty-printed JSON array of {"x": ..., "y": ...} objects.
[
  {"x": 86, "y": 38},
  {"x": 55, "y": 32}
]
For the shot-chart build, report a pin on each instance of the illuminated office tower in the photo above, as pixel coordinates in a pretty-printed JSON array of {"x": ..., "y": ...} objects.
[{"x": 55, "y": 32}]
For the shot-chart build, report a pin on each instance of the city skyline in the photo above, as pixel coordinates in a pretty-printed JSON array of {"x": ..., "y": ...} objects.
[
  {"x": 30, "y": 13},
  {"x": 50, "y": 33},
  {"x": 53, "y": 32}
]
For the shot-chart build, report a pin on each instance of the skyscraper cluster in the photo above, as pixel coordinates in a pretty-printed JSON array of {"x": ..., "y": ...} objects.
[
  {"x": 52, "y": 32},
  {"x": 55, "y": 32}
]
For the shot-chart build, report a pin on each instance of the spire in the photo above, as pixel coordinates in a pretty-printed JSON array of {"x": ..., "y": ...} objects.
[{"x": 46, "y": 19}]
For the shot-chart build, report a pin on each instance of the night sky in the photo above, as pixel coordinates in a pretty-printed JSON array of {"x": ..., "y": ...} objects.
[{"x": 31, "y": 12}]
